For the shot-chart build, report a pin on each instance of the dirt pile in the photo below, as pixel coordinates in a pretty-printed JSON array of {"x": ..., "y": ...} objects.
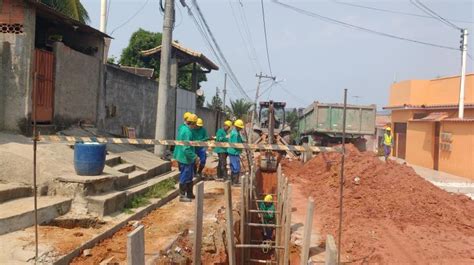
[{"x": 391, "y": 215}]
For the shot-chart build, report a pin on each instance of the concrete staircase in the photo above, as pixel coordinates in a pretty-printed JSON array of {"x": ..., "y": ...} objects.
[
  {"x": 121, "y": 182},
  {"x": 17, "y": 207}
]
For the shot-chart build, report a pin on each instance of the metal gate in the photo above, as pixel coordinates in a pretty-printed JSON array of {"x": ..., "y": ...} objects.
[{"x": 43, "y": 90}]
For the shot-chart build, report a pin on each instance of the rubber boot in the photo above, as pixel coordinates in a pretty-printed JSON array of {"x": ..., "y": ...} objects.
[
  {"x": 182, "y": 193},
  {"x": 235, "y": 178},
  {"x": 189, "y": 191}
]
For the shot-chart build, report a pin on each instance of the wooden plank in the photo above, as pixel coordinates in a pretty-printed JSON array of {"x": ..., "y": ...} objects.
[
  {"x": 286, "y": 243},
  {"x": 243, "y": 214},
  {"x": 331, "y": 251},
  {"x": 229, "y": 224},
  {"x": 136, "y": 246},
  {"x": 198, "y": 212},
  {"x": 307, "y": 231}
]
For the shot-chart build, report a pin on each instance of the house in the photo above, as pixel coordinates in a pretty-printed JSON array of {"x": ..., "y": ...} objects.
[
  {"x": 427, "y": 130},
  {"x": 45, "y": 56}
]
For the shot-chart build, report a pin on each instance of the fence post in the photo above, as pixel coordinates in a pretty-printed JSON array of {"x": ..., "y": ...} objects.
[
  {"x": 243, "y": 215},
  {"x": 136, "y": 246},
  {"x": 286, "y": 257},
  {"x": 198, "y": 211},
  {"x": 307, "y": 232},
  {"x": 230, "y": 224}
]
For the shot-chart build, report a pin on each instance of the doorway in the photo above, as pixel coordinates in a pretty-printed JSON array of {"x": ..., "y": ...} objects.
[{"x": 43, "y": 86}]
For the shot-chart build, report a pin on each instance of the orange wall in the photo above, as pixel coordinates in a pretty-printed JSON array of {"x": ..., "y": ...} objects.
[
  {"x": 431, "y": 92},
  {"x": 460, "y": 160},
  {"x": 420, "y": 145}
]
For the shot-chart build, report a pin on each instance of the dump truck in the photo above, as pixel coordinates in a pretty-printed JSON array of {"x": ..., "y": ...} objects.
[{"x": 321, "y": 124}]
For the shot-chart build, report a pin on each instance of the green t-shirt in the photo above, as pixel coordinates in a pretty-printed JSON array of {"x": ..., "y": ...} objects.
[
  {"x": 235, "y": 138},
  {"x": 270, "y": 215},
  {"x": 221, "y": 137},
  {"x": 184, "y": 154}
]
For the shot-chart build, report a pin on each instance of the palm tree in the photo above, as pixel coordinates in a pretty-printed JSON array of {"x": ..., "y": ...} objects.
[
  {"x": 71, "y": 8},
  {"x": 240, "y": 109}
]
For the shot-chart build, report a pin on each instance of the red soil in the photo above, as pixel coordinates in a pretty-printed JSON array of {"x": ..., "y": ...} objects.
[{"x": 392, "y": 216}]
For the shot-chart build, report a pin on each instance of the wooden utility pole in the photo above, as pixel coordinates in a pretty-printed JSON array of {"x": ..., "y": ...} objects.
[
  {"x": 198, "y": 214},
  {"x": 229, "y": 224},
  {"x": 164, "y": 81}
]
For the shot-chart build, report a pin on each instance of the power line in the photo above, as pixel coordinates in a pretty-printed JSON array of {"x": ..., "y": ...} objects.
[
  {"x": 219, "y": 54},
  {"x": 395, "y": 11},
  {"x": 130, "y": 18},
  {"x": 266, "y": 39},
  {"x": 300, "y": 100},
  {"x": 341, "y": 23},
  {"x": 247, "y": 49},
  {"x": 249, "y": 35},
  {"x": 430, "y": 12}
]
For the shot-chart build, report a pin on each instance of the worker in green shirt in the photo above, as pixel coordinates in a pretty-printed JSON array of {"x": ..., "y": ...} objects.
[
  {"x": 268, "y": 216},
  {"x": 200, "y": 134},
  {"x": 234, "y": 153},
  {"x": 221, "y": 137},
  {"x": 185, "y": 117},
  {"x": 186, "y": 156}
]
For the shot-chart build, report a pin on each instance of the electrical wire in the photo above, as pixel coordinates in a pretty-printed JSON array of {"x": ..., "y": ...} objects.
[
  {"x": 300, "y": 100},
  {"x": 232, "y": 76},
  {"x": 249, "y": 35},
  {"x": 130, "y": 18},
  {"x": 247, "y": 49},
  {"x": 109, "y": 2},
  {"x": 266, "y": 38},
  {"x": 395, "y": 11},
  {"x": 430, "y": 12},
  {"x": 341, "y": 23}
]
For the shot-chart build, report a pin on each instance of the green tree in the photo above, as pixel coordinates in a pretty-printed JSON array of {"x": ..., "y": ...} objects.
[
  {"x": 292, "y": 121},
  {"x": 70, "y": 8},
  {"x": 216, "y": 103},
  {"x": 240, "y": 109},
  {"x": 144, "y": 40}
]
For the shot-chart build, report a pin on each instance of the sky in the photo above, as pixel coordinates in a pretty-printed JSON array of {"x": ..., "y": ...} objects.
[{"x": 312, "y": 60}]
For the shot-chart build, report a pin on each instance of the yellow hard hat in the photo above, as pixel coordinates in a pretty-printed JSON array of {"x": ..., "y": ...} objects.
[
  {"x": 200, "y": 122},
  {"x": 388, "y": 129},
  {"x": 268, "y": 198},
  {"x": 192, "y": 118},
  {"x": 228, "y": 123},
  {"x": 186, "y": 115},
  {"x": 239, "y": 124}
]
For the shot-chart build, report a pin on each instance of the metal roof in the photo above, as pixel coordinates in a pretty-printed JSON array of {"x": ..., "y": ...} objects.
[
  {"x": 187, "y": 55},
  {"x": 441, "y": 106}
]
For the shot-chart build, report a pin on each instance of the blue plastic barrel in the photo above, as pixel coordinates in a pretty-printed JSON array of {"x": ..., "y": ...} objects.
[{"x": 89, "y": 158}]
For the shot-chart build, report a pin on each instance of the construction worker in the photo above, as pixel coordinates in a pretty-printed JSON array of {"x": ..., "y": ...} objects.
[
  {"x": 221, "y": 137},
  {"x": 185, "y": 117},
  {"x": 268, "y": 216},
  {"x": 200, "y": 134},
  {"x": 234, "y": 153},
  {"x": 387, "y": 142},
  {"x": 186, "y": 156}
]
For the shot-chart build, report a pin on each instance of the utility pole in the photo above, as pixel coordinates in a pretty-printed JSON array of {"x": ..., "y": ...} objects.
[
  {"x": 103, "y": 15},
  {"x": 259, "y": 80},
  {"x": 164, "y": 81},
  {"x": 224, "y": 91},
  {"x": 463, "y": 72}
]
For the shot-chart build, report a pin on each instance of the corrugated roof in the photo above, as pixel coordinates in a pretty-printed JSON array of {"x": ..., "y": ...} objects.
[
  {"x": 459, "y": 120},
  {"x": 434, "y": 116},
  {"x": 441, "y": 106},
  {"x": 198, "y": 57}
]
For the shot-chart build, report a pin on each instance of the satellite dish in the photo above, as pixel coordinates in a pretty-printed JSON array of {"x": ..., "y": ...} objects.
[{"x": 200, "y": 92}]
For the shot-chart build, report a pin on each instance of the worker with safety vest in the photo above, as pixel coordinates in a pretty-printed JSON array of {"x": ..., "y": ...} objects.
[
  {"x": 268, "y": 208},
  {"x": 200, "y": 134},
  {"x": 387, "y": 142},
  {"x": 221, "y": 137},
  {"x": 186, "y": 156},
  {"x": 234, "y": 153}
]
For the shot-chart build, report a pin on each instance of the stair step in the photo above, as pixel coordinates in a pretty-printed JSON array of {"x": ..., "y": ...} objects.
[
  {"x": 14, "y": 191},
  {"x": 145, "y": 186},
  {"x": 125, "y": 168},
  {"x": 113, "y": 160},
  {"x": 106, "y": 204},
  {"x": 19, "y": 213},
  {"x": 136, "y": 176}
]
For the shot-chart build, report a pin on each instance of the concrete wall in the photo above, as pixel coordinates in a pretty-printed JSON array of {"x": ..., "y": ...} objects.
[
  {"x": 420, "y": 144},
  {"x": 185, "y": 101},
  {"x": 212, "y": 120},
  {"x": 431, "y": 92},
  {"x": 460, "y": 160},
  {"x": 17, "y": 53},
  {"x": 77, "y": 84},
  {"x": 134, "y": 99}
]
